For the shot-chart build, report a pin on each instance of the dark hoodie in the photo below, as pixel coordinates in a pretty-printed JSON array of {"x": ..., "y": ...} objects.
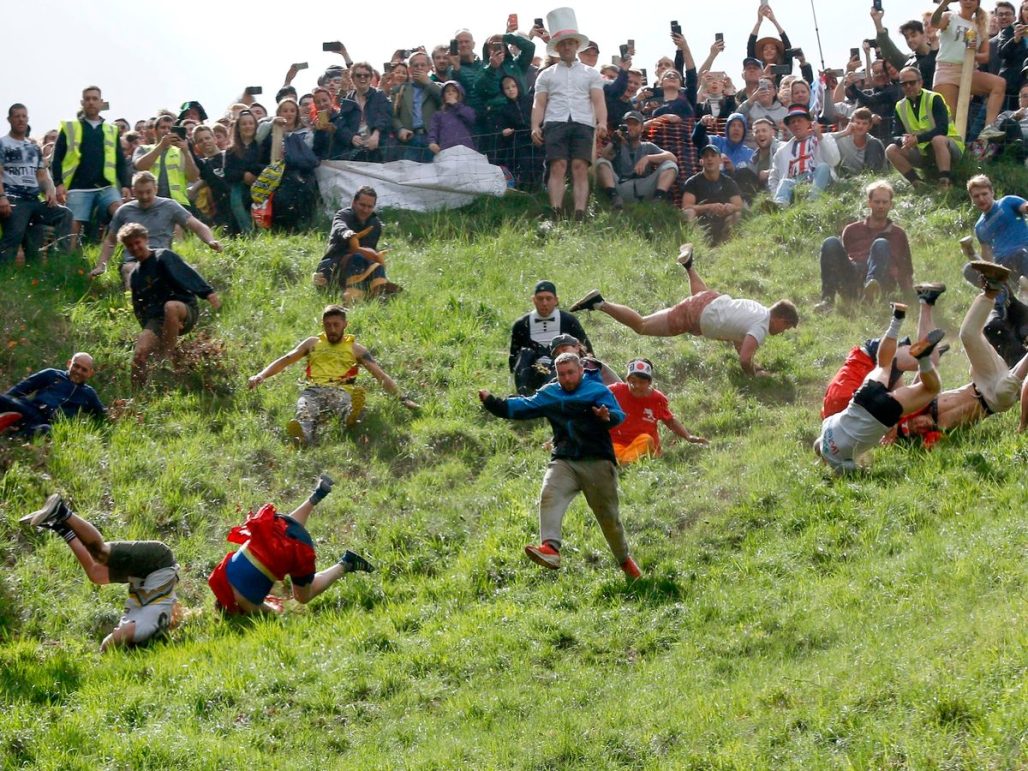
[{"x": 452, "y": 124}]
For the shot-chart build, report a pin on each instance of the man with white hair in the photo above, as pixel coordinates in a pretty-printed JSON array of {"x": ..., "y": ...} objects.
[{"x": 32, "y": 405}]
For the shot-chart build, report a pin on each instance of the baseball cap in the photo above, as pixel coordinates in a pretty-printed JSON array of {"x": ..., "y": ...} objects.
[
  {"x": 560, "y": 340},
  {"x": 709, "y": 148},
  {"x": 750, "y": 61},
  {"x": 545, "y": 286},
  {"x": 634, "y": 115}
]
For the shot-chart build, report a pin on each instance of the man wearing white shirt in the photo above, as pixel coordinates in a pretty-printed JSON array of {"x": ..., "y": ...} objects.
[{"x": 569, "y": 109}]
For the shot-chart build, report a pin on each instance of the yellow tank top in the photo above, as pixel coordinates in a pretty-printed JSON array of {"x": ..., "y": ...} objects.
[{"x": 332, "y": 364}]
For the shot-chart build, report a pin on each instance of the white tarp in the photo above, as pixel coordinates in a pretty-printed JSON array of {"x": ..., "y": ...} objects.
[{"x": 452, "y": 180}]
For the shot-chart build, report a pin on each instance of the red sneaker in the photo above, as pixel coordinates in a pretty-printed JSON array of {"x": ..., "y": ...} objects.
[
  {"x": 631, "y": 569},
  {"x": 544, "y": 555},
  {"x": 8, "y": 419}
]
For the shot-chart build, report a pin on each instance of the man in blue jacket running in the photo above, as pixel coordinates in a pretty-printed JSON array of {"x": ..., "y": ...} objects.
[{"x": 581, "y": 414}]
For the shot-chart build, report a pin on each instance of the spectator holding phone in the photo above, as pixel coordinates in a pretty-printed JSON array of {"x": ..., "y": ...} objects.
[
  {"x": 169, "y": 160},
  {"x": 334, "y": 128},
  {"x": 375, "y": 115},
  {"x": 414, "y": 104},
  {"x": 922, "y": 54},
  {"x": 769, "y": 50},
  {"x": 513, "y": 123},
  {"x": 809, "y": 156}
]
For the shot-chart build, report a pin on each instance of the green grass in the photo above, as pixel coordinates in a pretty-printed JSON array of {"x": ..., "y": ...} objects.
[{"x": 787, "y": 619}]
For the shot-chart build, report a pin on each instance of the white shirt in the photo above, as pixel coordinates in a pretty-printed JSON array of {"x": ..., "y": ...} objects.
[
  {"x": 729, "y": 319},
  {"x": 568, "y": 90}
]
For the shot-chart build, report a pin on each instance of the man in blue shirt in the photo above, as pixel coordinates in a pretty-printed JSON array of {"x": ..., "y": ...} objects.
[
  {"x": 581, "y": 413},
  {"x": 1002, "y": 232},
  {"x": 34, "y": 403}
]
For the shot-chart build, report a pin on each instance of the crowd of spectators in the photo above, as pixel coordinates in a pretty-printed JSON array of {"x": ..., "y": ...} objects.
[{"x": 785, "y": 123}]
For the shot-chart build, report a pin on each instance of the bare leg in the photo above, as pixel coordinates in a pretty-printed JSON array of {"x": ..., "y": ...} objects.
[
  {"x": 696, "y": 284},
  {"x": 324, "y": 579},
  {"x": 655, "y": 325},
  {"x": 580, "y": 183},
  {"x": 90, "y": 538},
  {"x": 175, "y": 314},
  {"x": 904, "y": 361},
  {"x": 555, "y": 183},
  {"x": 898, "y": 160},
  {"x": 96, "y": 572},
  {"x": 919, "y": 395},
  {"x": 303, "y": 511},
  {"x": 146, "y": 344}
]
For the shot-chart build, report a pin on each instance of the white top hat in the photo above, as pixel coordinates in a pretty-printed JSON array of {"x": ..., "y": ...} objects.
[{"x": 562, "y": 25}]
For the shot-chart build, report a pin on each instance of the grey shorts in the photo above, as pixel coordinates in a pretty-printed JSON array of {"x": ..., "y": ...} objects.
[
  {"x": 156, "y": 324},
  {"x": 927, "y": 158},
  {"x": 568, "y": 141}
]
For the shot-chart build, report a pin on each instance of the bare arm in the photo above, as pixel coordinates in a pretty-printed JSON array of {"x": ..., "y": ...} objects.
[
  {"x": 282, "y": 362},
  {"x": 110, "y": 242},
  {"x": 1024, "y": 407},
  {"x": 538, "y": 112},
  {"x": 203, "y": 233},
  {"x": 600, "y": 110},
  {"x": 746, "y": 350},
  {"x": 366, "y": 360},
  {"x": 678, "y": 429}
]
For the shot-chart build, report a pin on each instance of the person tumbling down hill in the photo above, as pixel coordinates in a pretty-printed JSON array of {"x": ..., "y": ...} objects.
[
  {"x": 581, "y": 412},
  {"x": 275, "y": 546},
  {"x": 744, "y": 323},
  {"x": 148, "y": 567},
  {"x": 994, "y": 387},
  {"x": 873, "y": 410}
]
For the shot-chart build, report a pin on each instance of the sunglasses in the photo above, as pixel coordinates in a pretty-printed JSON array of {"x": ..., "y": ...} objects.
[
  {"x": 361, "y": 75},
  {"x": 906, "y": 83}
]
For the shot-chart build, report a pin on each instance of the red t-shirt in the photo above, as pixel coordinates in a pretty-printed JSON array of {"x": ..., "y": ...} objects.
[
  {"x": 847, "y": 380},
  {"x": 641, "y": 414}
]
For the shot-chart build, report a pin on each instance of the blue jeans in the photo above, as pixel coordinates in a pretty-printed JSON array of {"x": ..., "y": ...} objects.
[
  {"x": 840, "y": 274},
  {"x": 25, "y": 212},
  {"x": 32, "y": 419},
  {"x": 821, "y": 179}
]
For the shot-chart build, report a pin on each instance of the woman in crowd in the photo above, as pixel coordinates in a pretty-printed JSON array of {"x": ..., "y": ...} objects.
[
  {"x": 242, "y": 165},
  {"x": 376, "y": 117},
  {"x": 296, "y": 197}
]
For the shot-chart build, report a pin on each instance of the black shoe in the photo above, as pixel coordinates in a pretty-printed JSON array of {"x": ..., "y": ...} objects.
[
  {"x": 899, "y": 310},
  {"x": 929, "y": 293},
  {"x": 355, "y": 563},
  {"x": 924, "y": 347},
  {"x": 587, "y": 303},
  {"x": 324, "y": 487},
  {"x": 54, "y": 512},
  {"x": 994, "y": 277}
]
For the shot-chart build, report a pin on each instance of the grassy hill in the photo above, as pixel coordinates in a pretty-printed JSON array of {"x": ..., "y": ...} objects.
[{"x": 787, "y": 619}]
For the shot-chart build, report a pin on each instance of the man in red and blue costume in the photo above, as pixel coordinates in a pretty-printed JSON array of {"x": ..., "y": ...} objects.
[{"x": 274, "y": 546}]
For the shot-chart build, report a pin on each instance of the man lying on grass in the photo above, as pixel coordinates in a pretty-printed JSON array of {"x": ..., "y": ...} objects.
[
  {"x": 994, "y": 387},
  {"x": 275, "y": 546},
  {"x": 31, "y": 406},
  {"x": 581, "y": 412},
  {"x": 333, "y": 362},
  {"x": 148, "y": 567},
  {"x": 873, "y": 410},
  {"x": 744, "y": 323}
]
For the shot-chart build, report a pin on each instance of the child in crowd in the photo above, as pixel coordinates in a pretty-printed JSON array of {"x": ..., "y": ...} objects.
[{"x": 453, "y": 124}]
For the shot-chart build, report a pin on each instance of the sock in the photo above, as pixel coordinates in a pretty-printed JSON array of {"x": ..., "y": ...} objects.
[
  {"x": 610, "y": 191},
  {"x": 660, "y": 195},
  {"x": 894, "y": 328},
  {"x": 65, "y": 532},
  {"x": 925, "y": 364},
  {"x": 912, "y": 176},
  {"x": 945, "y": 175}
]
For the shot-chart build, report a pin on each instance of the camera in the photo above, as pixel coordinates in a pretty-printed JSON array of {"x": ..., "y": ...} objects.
[
  {"x": 179, "y": 131},
  {"x": 676, "y": 28}
]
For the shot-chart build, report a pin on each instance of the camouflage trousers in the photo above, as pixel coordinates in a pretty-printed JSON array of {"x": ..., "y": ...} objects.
[{"x": 319, "y": 403}]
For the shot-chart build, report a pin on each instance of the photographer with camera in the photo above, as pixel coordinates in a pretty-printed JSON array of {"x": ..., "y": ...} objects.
[
  {"x": 633, "y": 170},
  {"x": 170, "y": 160}
]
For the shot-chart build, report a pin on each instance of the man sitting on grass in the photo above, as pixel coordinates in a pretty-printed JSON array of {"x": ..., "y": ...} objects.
[
  {"x": 275, "y": 546},
  {"x": 873, "y": 410},
  {"x": 333, "y": 362},
  {"x": 581, "y": 412},
  {"x": 34, "y": 403},
  {"x": 644, "y": 406},
  {"x": 994, "y": 386},
  {"x": 148, "y": 567},
  {"x": 744, "y": 323}
]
